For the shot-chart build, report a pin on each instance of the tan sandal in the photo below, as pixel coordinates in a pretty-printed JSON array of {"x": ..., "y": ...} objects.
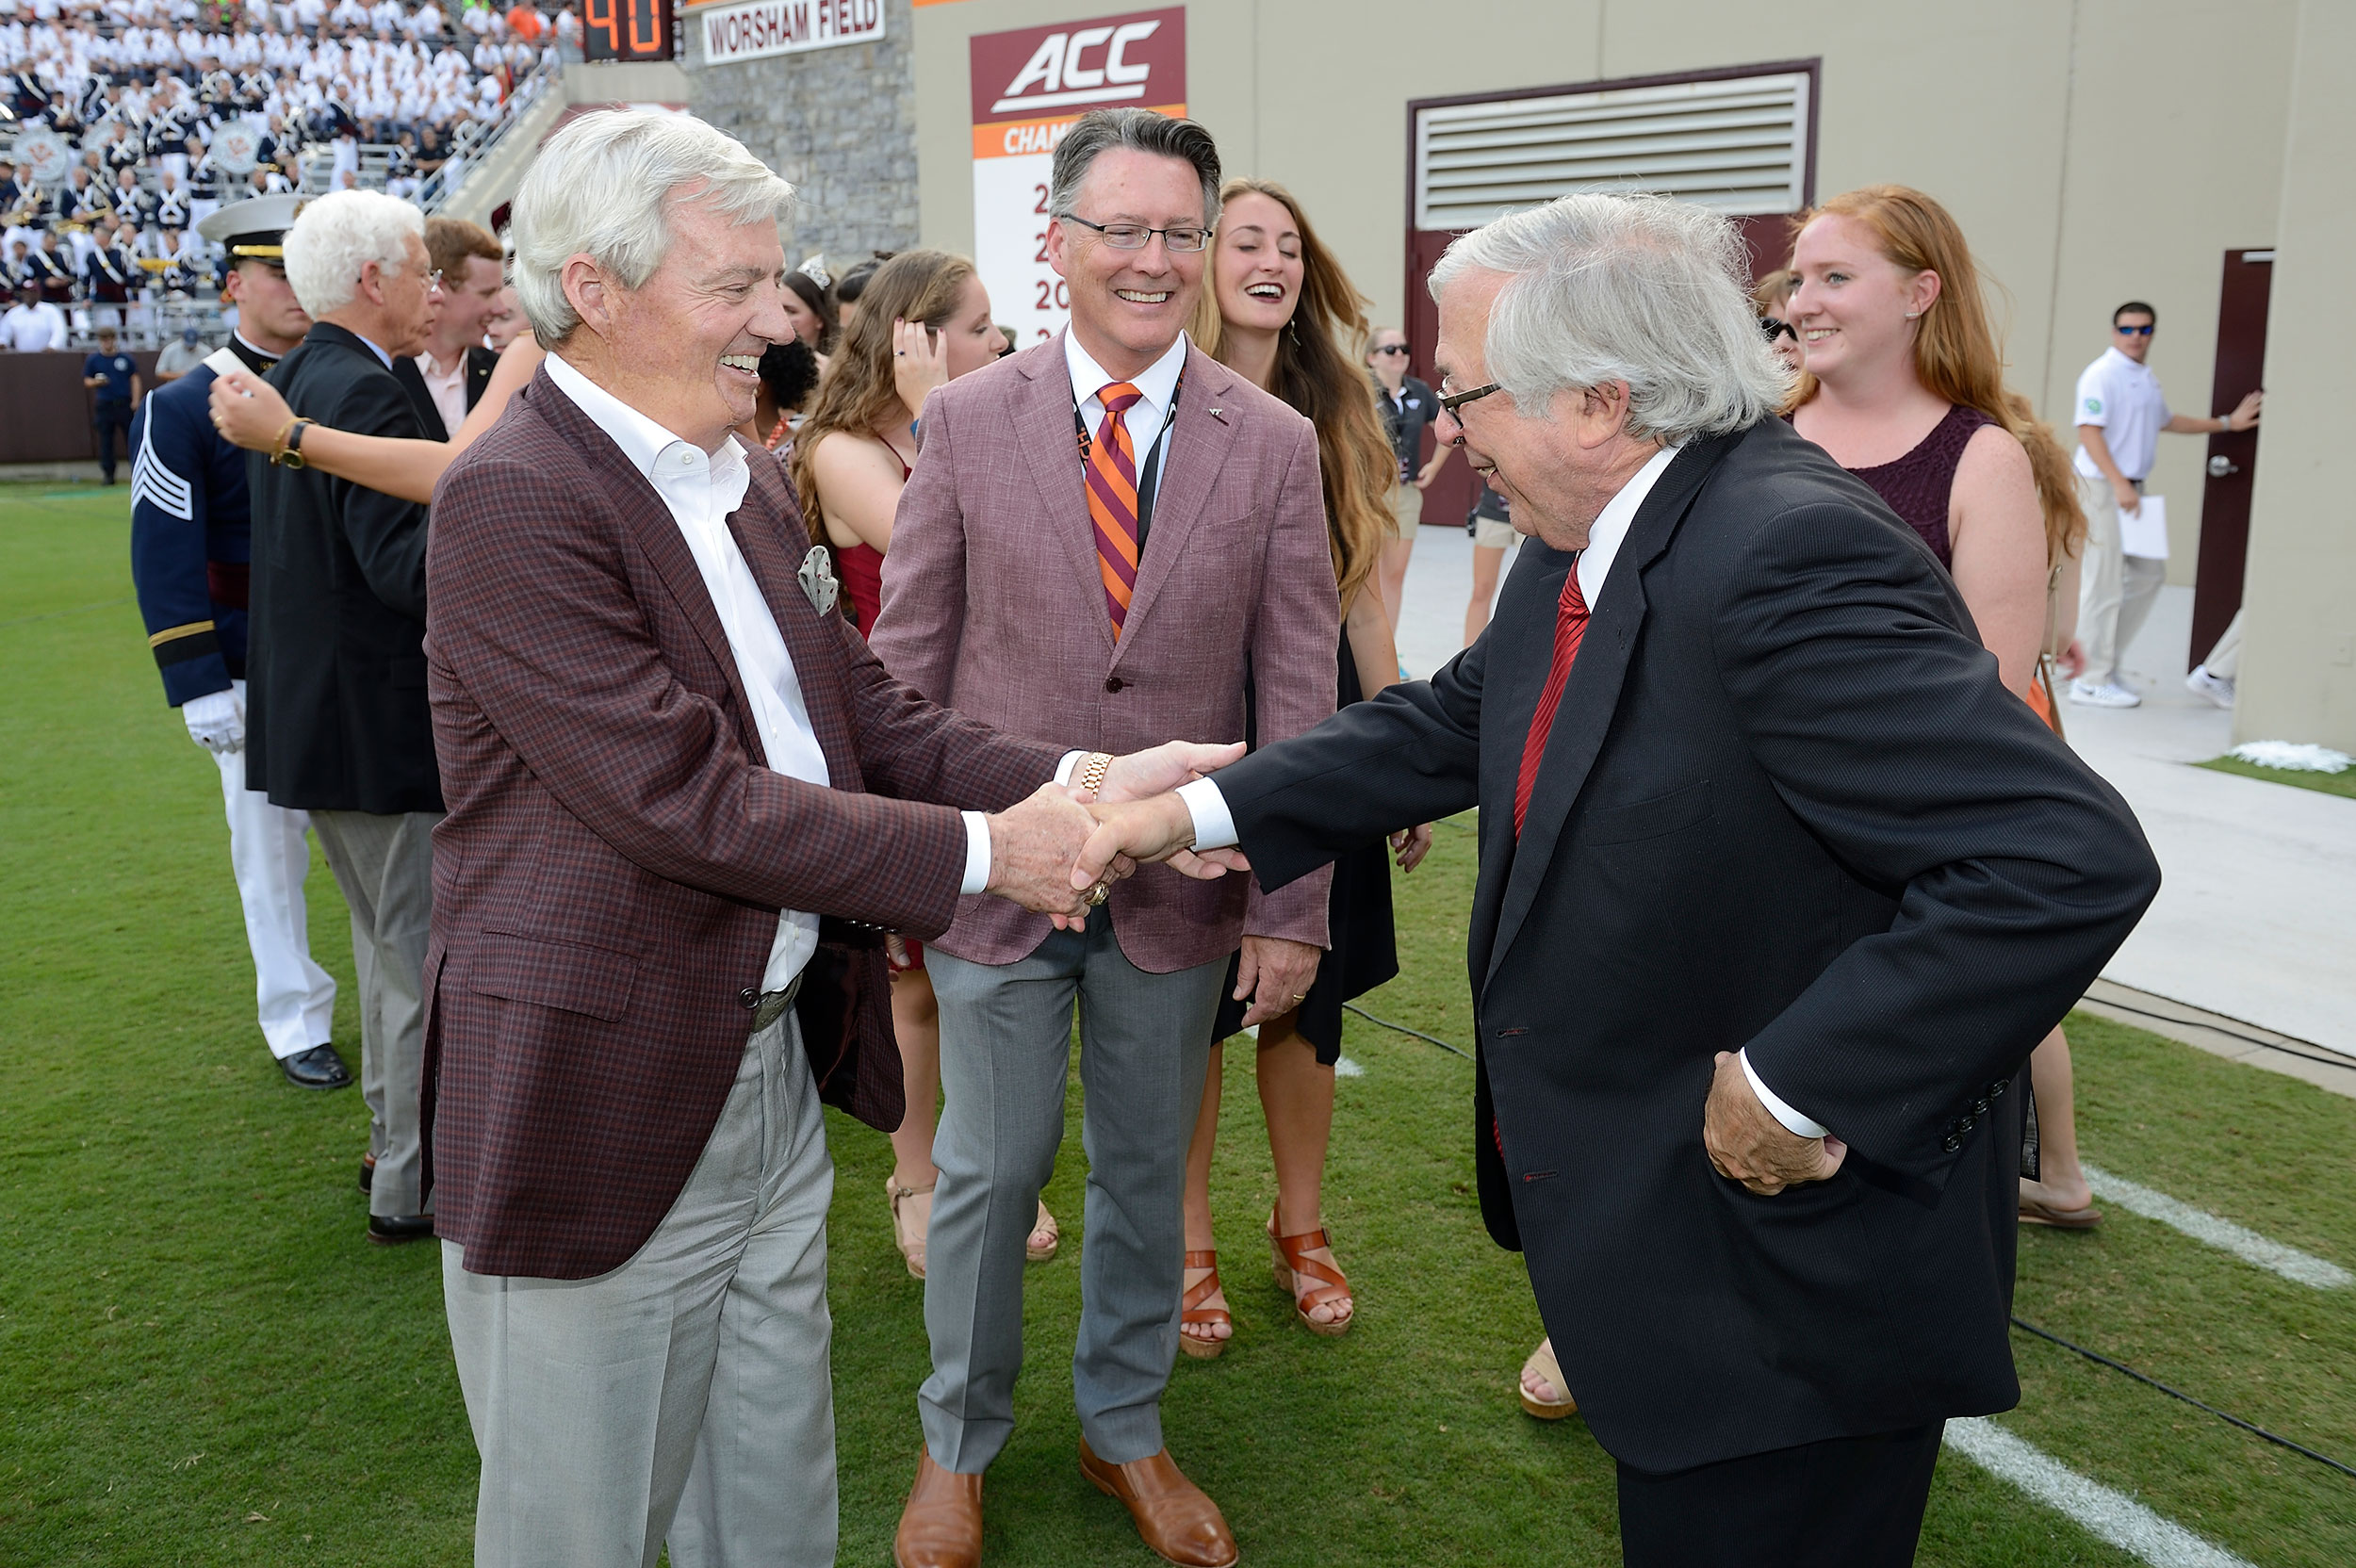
[
  {"x": 1542, "y": 1362},
  {"x": 1190, "y": 1310},
  {"x": 909, "y": 1225},
  {"x": 1034, "y": 1249},
  {"x": 1290, "y": 1258}
]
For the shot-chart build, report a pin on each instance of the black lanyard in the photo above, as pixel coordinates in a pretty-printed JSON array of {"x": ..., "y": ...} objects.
[{"x": 1149, "y": 478}]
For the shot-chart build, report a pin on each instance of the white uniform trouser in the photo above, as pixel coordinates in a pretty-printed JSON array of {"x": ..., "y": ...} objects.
[
  {"x": 270, "y": 857},
  {"x": 2116, "y": 590},
  {"x": 685, "y": 1394},
  {"x": 2224, "y": 660}
]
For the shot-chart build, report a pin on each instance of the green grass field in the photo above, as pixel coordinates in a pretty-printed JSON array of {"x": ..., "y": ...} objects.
[
  {"x": 2324, "y": 783},
  {"x": 202, "y": 1361}
]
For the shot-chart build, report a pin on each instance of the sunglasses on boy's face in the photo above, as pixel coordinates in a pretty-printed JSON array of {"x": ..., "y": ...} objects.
[
  {"x": 1774, "y": 329},
  {"x": 2143, "y": 330},
  {"x": 1392, "y": 349}
]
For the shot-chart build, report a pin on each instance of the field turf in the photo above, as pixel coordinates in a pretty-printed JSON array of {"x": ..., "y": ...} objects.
[{"x": 202, "y": 1361}]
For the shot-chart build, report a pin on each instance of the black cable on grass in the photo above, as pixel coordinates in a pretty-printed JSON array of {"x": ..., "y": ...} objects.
[
  {"x": 1433, "y": 1039},
  {"x": 2229, "y": 1034},
  {"x": 2250, "y": 1427}
]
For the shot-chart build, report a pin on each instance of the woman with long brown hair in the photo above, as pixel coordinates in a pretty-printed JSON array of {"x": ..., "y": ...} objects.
[
  {"x": 925, "y": 320},
  {"x": 1278, "y": 309}
]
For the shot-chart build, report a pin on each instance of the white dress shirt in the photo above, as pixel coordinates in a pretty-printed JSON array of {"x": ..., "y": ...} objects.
[
  {"x": 701, "y": 489},
  {"x": 448, "y": 389},
  {"x": 1148, "y": 418},
  {"x": 1214, "y": 826},
  {"x": 2125, "y": 400}
]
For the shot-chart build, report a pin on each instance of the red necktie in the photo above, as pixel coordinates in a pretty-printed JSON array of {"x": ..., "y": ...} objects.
[
  {"x": 1112, "y": 485},
  {"x": 1570, "y": 625}
]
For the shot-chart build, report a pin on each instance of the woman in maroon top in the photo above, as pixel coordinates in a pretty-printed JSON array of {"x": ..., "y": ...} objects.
[
  {"x": 925, "y": 322},
  {"x": 1903, "y": 385}
]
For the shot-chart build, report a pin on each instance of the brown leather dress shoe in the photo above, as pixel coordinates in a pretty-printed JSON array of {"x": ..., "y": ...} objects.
[
  {"x": 1174, "y": 1517},
  {"x": 942, "y": 1525}
]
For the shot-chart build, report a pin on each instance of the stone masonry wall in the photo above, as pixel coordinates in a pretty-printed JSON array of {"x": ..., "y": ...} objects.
[{"x": 840, "y": 124}]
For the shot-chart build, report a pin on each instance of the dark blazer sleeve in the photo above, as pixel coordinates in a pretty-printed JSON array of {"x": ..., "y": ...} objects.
[
  {"x": 535, "y": 619},
  {"x": 387, "y": 533},
  {"x": 2018, "y": 871},
  {"x": 1411, "y": 754}
]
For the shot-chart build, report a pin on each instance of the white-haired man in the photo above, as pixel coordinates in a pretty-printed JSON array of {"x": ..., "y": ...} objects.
[
  {"x": 336, "y": 716},
  {"x": 1779, "y": 889},
  {"x": 685, "y": 805}
]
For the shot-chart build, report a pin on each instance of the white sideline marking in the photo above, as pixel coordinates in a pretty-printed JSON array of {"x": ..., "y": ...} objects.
[
  {"x": 2112, "y": 1515},
  {"x": 2248, "y": 1246}
]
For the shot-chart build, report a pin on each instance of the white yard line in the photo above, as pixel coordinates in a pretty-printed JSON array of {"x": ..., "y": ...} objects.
[
  {"x": 2246, "y": 1245},
  {"x": 2112, "y": 1515}
]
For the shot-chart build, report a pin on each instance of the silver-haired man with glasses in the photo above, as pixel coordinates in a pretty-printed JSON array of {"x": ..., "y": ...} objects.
[
  {"x": 1110, "y": 537},
  {"x": 1779, "y": 886}
]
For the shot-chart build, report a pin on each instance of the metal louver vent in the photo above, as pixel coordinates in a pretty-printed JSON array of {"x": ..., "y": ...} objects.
[{"x": 1738, "y": 146}]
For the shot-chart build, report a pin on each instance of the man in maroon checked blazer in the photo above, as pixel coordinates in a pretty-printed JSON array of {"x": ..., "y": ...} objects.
[{"x": 685, "y": 805}]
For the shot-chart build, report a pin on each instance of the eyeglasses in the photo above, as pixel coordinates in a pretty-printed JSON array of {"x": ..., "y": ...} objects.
[
  {"x": 1185, "y": 239},
  {"x": 1392, "y": 349},
  {"x": 1776, "y": 329},
  {"x": 1451, "y": 401},
  {"x": 2143, "y": 330}
]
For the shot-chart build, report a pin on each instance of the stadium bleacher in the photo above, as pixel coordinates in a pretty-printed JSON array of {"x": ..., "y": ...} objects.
[{"x": 122, "y": 122}]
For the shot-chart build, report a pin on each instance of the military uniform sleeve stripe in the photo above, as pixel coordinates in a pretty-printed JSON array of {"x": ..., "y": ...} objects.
[
  {"x": 173, "y": 633},
  {"x": 156, "y": 484}
]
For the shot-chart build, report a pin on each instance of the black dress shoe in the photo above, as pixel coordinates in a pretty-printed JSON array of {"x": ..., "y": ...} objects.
[
  {"x": 367, "y": 1171},
  {"x": 318, "y": 1068},
  {"x": 391, "y": 1230}
]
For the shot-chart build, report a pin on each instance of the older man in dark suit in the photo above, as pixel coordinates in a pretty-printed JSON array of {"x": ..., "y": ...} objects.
[
  {"x": 1779, "y": 889},
  {"x": 686, "y": 804},
  {"x": 336, "y": 716}
]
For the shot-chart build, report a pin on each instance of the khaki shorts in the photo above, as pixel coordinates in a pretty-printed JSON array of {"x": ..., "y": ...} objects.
[
  {"x": 1493, "y": 533},
  {"x": 1406, "y": 509}
]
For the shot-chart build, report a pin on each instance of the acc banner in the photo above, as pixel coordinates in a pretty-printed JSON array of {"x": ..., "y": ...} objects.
[
  {"x": 765, "y": 28},
  {"x": 1029, "y": 85}
]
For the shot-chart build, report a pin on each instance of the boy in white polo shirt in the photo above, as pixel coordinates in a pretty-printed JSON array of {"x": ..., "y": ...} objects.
[{"x": 2120, "y": 414}]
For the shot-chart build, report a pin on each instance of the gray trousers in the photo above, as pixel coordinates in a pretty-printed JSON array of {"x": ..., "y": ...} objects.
[
  {"x": 1005, "y": 1050},
  {"x": 385, "y": 865},
  {"x": 2116, "y": 590},
  {"x": 685, "y": 1394}
]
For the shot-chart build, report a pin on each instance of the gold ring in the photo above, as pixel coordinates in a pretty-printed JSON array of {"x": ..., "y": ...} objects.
[{"x": 1098, "y": 895}]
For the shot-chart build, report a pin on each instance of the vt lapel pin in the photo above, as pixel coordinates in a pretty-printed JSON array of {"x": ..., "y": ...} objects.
[{"x": 818, "y": 579}]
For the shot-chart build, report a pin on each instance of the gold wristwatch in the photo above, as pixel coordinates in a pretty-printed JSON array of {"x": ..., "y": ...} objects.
[{"x": 1090, "y": 773}]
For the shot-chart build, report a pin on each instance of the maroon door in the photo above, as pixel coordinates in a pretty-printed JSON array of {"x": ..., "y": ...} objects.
[{"x": 2241, "y": 348}]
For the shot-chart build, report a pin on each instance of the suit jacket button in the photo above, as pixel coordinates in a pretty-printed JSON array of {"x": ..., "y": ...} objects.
[
  {"x": 1979, "y": 1107},
  {"x": 748, "y": 997},
  {"x": 1996, "y": 1090},
  {"x": 1114, "y": 683},
  {"x": 1967, "y": 1124},
  {"x": 1950, "y": 1143}
]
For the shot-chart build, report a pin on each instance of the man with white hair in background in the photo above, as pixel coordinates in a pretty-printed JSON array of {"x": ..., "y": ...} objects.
[
  {"x": 686, "y": 804},
  {"x": 336, "y": 714},
  {"x": 1779, "y": 887}
]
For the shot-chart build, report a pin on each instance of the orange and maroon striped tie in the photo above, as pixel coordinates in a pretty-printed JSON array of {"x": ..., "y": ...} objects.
[{"x": 1112, "y": 483}]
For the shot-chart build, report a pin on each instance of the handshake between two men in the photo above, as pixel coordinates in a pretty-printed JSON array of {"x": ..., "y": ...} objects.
[{"x": 1059, "y": 851}]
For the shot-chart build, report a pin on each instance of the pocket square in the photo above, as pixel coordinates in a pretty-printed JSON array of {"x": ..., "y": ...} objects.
[{"x": 818, "y": 579}]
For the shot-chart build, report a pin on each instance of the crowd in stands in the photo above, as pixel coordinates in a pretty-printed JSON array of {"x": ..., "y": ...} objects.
[{"x": 343, "y": 94}]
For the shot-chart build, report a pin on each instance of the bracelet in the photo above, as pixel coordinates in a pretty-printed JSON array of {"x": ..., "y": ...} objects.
[
  {"x": 1093, "y": 769},
  {"x": 278, "y": 442},
  {"x": 289, "y": 452}
]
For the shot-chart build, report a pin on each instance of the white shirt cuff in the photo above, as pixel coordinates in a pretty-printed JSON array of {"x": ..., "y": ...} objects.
[
  {"x": 1214, "y": 825},
  {"x": 977, "y": 853},
  {"x": 1064, "y": 768},
  {"x": 1798, "y": 1125}
]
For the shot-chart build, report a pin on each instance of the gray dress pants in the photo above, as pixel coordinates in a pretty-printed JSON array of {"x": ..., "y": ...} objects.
[
  {"x": 686, "y": 1393},
  {"x": 1005, "y": 1050},
  {"x": 385, "y": 865}
]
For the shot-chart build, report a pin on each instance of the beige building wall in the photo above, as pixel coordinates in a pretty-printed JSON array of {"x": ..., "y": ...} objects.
[
  {"x": 2299, "y": 661},
  {"x": 2094, "y": 150}
]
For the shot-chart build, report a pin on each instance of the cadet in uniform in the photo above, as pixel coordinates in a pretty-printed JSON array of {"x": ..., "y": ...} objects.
[{"x": 189, "y": 560}]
